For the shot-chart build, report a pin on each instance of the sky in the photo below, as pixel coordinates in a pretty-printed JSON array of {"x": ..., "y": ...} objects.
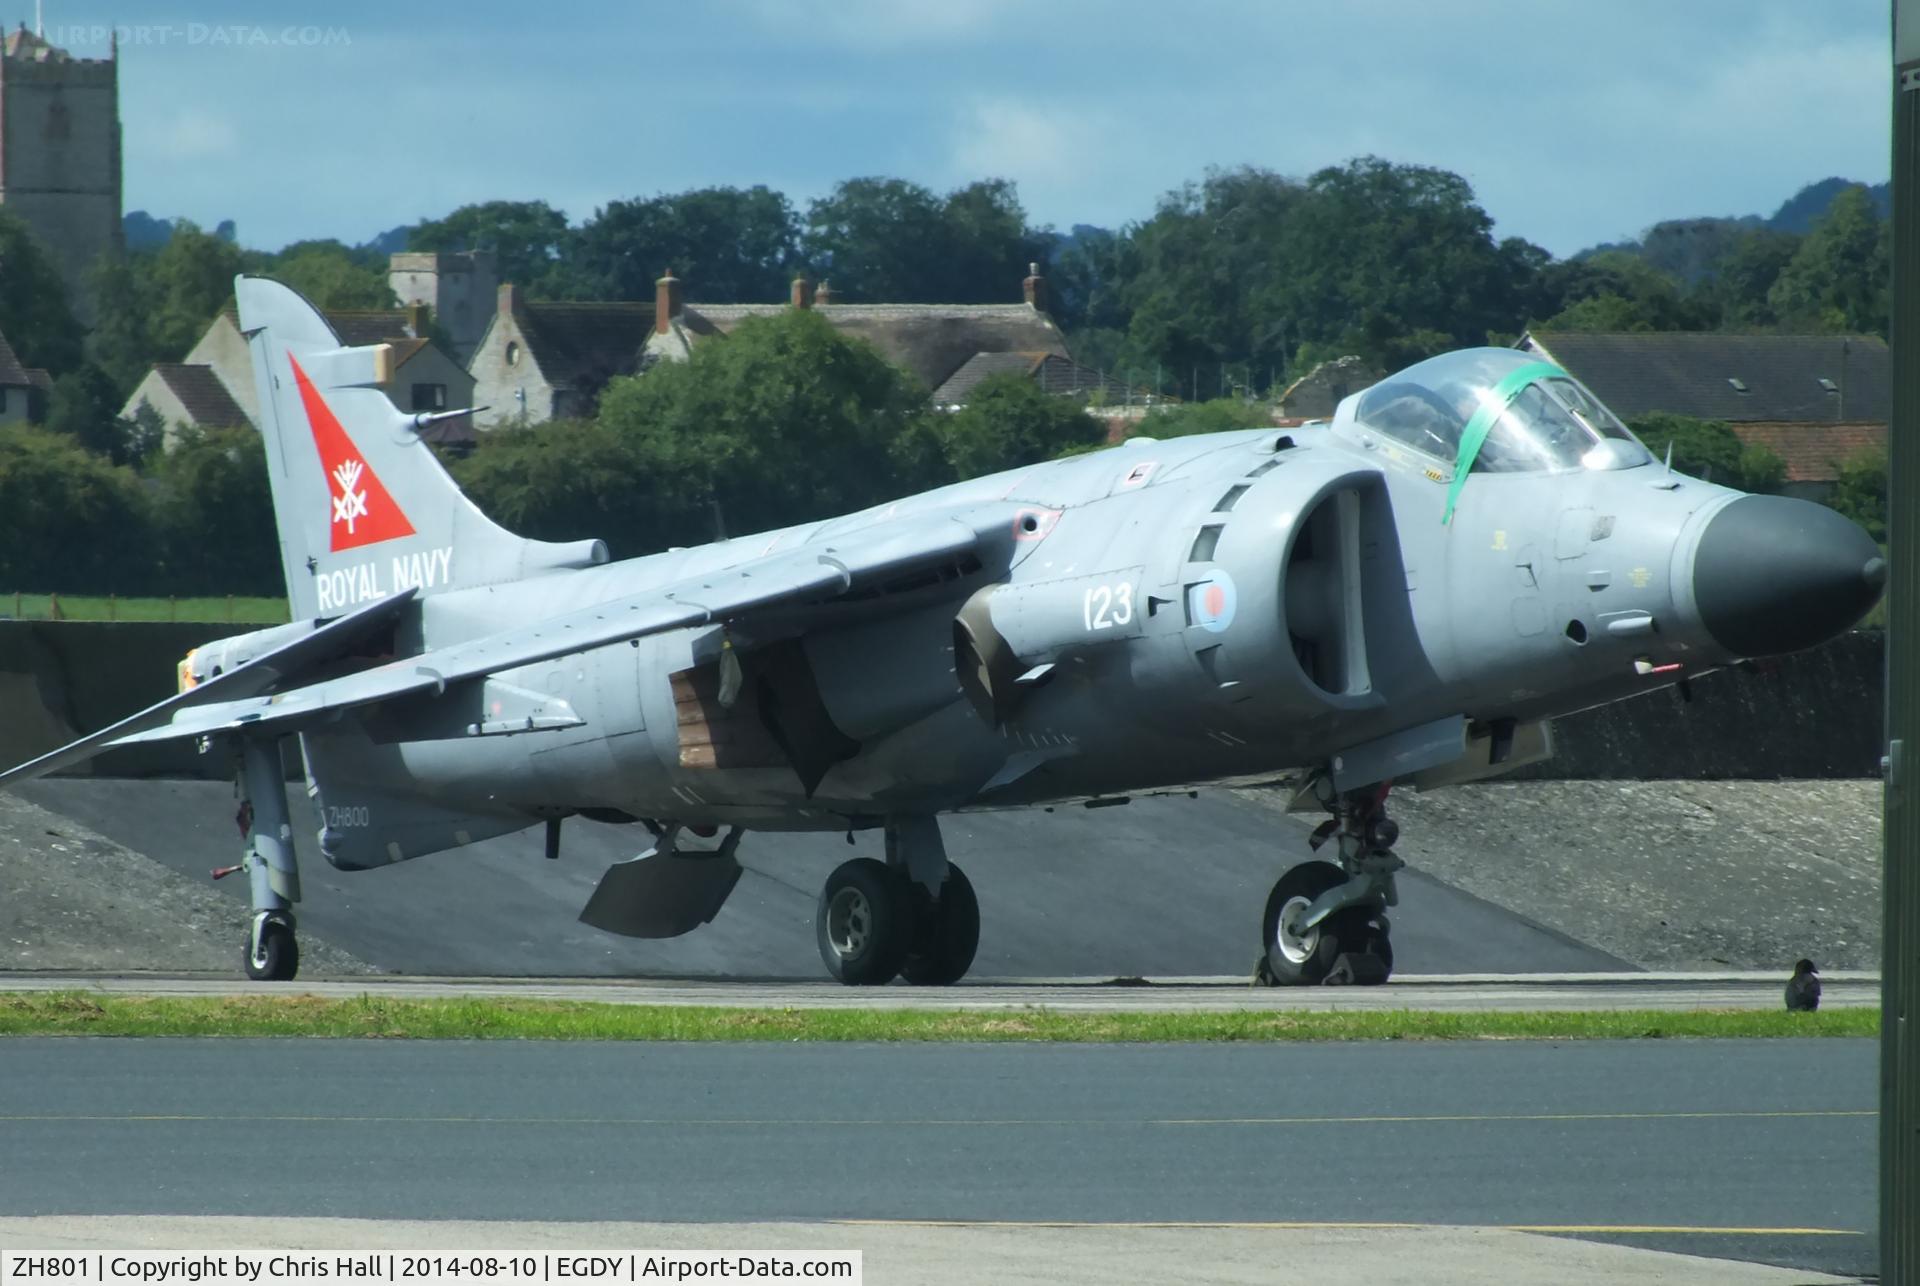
[{"x": 1576, "y": 123}]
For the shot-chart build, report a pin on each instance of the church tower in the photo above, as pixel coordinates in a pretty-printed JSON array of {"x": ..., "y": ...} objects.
[{"x": 60, "y": 153}]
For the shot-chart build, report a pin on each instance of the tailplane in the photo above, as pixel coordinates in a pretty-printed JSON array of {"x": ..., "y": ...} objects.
[{"x": 364, "y": 508}]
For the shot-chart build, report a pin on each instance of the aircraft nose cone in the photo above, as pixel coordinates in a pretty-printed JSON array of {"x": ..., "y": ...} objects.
[{"x": 1773, "y": 574}]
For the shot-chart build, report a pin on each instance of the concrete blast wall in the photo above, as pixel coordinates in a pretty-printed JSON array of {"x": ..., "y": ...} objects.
[{"x": 1818, "y": 714}]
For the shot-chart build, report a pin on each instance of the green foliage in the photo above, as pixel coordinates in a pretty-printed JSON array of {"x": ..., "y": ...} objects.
[
  {"x": 34, "y": 313},
  {"x": 1860, "y": 492},
  {"x": 86, "y": 408},
  {"x": 891, "y": 241},
  {"x": 121, "y": 343},
  {"x": 183, "y": 285},
  {"x": 1840, "y": 278},
  {"x": 1709, "y": 449},
  {"x": 1741, "y": 284},
  {"x": 571, "y": 480},
  {"x": 1008, "y": 422},
  {"x": 69, "y": 519},
  {"x": 730, "y": 245},
  {"x": 1615, "y": 291},
  {"x": 1222, "y": 415},
  {"x": 528, "y": 239},
  {"x": 332, "y": 275},
  {"x": 213, "y": 512}
]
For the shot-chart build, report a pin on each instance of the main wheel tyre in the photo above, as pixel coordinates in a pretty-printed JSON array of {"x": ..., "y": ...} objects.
[
  {"x": 1298, "y": 956},
  {"x": 948, "y": 933},
  {"x": 863, "y": 923},
  {"x": 278, "y": 958}
]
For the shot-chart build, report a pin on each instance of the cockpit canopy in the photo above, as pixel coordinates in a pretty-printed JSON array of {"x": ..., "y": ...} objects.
[{"x": 1536, "y": 417}]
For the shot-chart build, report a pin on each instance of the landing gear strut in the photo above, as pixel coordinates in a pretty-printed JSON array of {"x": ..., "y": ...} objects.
[
  {"x": 272, "y": 952},
  {"x": 913, "y": 916},
  {"x": 1326, "y": 922}
]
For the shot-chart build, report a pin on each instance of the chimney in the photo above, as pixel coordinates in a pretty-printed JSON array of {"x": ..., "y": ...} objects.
[
  {"x": 510, "y": 300},
  {"x": 824, "y": 295},
  {"x": 1035, "y": 289},
  {"x": 801, "y": 296},
  {"x": 666, "y": 302},
  {"x": 417, "y": 321}
]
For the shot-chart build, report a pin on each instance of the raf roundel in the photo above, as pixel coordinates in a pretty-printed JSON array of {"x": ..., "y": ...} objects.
[{"x": 1211, "y": 601}]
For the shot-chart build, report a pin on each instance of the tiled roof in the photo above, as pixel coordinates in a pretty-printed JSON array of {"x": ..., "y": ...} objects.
[
  {"x": 1813, "y": 452},
  {"x": 12, "y": 374},
  {"x": 582, "y": 346},
  {"x": 40, "y": 379},
  {"x": 202, "y": 395},
  {"x": 363, "y": 326},
  {"x": 932, "y": 340},
  {"x": 1689, "y": 373}
]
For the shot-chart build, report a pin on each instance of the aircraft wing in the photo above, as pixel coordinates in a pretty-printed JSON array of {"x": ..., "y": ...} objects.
[
  {"x": 329, "y": 641},
  {"x": 805, "y": 575}
]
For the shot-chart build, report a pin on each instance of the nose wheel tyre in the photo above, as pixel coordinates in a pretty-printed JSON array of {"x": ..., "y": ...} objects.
[
  {"x": 1299, "y": 956},
  {"x": 863, "y": 923},
  {"x": 947, "y": 933}
]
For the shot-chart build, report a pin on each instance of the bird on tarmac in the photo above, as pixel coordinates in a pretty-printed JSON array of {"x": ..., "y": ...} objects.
[{"x": 1803, "y": 989}]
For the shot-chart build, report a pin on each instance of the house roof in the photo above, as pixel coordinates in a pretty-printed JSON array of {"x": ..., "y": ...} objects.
[
  {"x": 40, "y": 378},
  {"x": 201, "y": 394},
  {"x": 582, "y": 346},
  {"x": 1052, "y": 372},
  {"x": 1693, "y": 373},
  {"x": 12, "y": 373},
  {"x": 1813, "y": 452},
  {"x": 932, "y": 340}
]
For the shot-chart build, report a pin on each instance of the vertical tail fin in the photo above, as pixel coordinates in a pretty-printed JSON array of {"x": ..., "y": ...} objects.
[{"x": 364, "y": 508}]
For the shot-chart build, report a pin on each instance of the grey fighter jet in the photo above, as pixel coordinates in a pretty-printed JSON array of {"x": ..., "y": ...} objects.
[{"x": 1405, "y": 594}]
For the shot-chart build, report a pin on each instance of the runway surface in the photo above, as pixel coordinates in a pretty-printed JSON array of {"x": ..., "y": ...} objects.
[
  {"x": 1759, "y": 1150},
  {"x": 1163, "y": 887},
  {"x": 1433, "y": 992}
]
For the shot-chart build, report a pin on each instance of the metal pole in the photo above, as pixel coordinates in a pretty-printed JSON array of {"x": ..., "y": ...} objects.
[{"x": 1900, "y": 966}]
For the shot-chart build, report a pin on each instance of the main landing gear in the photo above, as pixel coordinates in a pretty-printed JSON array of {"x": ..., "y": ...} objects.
[
  {"x": 1326, "y": 922},
  {"x": 913, "y": 916}
]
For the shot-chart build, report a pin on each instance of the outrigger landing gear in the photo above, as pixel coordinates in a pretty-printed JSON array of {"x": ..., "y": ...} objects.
[
  {"x": 913, "y": 916},
  {"x": 272, "y": 952},
  {"x": 1326, "y": 923}
]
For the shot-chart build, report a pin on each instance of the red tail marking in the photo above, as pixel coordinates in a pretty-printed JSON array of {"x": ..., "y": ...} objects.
[{"x": 363, "y": 512}]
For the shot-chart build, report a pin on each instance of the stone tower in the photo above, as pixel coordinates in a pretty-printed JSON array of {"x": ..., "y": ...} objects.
[
  {"x": 459, "y": 286},
  {"x": 60, "y": 153}
]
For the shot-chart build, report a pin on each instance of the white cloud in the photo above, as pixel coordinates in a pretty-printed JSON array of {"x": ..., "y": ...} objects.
[
  {"x": 189, "y": 134},
  {"x": 876, "y": 24}
]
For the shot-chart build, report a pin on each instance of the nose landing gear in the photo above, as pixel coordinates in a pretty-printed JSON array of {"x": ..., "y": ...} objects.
[{"x": 1326, "y": 922}]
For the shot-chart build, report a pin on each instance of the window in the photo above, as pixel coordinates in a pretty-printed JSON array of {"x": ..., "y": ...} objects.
[
  {"x": 3, "y": 401},
  {"x": 429, "y": 397},
  {"x": 513, "y": 352},
  {"x": 1739, "y": 385},
  {"x": 1829, "y": 385}
]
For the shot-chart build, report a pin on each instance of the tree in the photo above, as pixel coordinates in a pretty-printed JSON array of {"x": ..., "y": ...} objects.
[
  {"x": 121, "y": 342},
  {"x": 1839, "y": 278},
  {"x": 1709, "y": 449},
  {"x": 1619, "y": 291},
  {"x": 1008, "y": 422},
  {"x": 214, "y": 515},
  {"x": 890, "y": 241},
  {"x": 1741, "y": 283},
  {"x": 783, "y": 421},
  {"x": 333, "y": 275},
  {"x": 34, "y": 313},
  {"x": 1221, "y": 415},
  {"x": 528, "y": 239},
  {"x": 1860, "y": 492},
  {"x": 572, "y": 480},
  {"x": 730, "y": 245},
  {"x": 70, "y": 522},
  {"x": 188, "y": 281},
  {"x": 85, "y": 408}
]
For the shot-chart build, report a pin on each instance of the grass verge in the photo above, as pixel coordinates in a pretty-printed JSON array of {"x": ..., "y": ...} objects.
[
  {"x": 75, "y": 1013},
  {"x": 236, "y": 610}
]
